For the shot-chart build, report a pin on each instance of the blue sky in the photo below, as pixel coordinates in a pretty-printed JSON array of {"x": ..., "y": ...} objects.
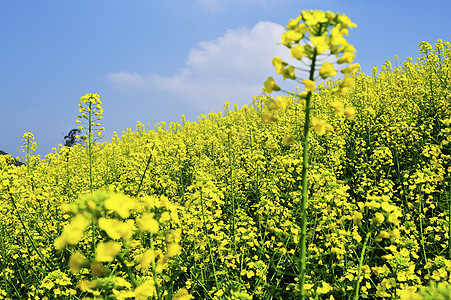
[{"x": 154, "y": 60}]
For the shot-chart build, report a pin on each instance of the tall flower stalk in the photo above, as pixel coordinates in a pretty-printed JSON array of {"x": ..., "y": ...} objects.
[
  {"x": 28, "y": 147},
  {"x": 313, "y": 35},
  {"x": 91, "y": 112}
]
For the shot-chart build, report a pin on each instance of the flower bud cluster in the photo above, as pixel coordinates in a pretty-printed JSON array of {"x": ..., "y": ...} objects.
[
  {"x": 320, "y": 31},
  {"x": 91, "y": 111}
]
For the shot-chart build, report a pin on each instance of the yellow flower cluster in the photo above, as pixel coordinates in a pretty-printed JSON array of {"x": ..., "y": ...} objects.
[
  {"x": 210, "y": 209},
  {"x": 91, "y": 111}
]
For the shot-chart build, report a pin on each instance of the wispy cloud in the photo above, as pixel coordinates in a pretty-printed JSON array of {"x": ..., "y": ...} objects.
[
  {"x": 231, "y": 68},
  {"x": 213, "y": 5},
  {"x": 223, "y": 5}
]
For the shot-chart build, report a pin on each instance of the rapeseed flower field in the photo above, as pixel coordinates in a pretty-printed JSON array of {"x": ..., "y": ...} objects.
[{"x": 248, "y": 203}]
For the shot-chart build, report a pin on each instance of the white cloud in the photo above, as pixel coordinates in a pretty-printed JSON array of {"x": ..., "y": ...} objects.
[
  {"x": 231, "y": 68},
  {"x": 223, "y": 5},
  {"x": 127, "y": 82},
  {"x": 213, "y": 5}
]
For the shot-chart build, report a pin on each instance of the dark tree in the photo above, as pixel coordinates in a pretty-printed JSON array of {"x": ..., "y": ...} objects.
[{"x": 71, "y": 138}]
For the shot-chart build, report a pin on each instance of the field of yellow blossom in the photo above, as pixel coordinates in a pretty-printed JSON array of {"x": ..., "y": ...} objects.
[{"x": 211, "y": 209}]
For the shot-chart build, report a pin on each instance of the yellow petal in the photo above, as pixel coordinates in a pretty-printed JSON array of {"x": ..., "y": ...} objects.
[
  {"x": 106, "y": 252},
  {"x": 309, "y": 85}
]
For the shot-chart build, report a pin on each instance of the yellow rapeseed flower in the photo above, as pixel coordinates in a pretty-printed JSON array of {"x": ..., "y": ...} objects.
[
  {"x": 348, "y": 82},
  {"x": 292, "y": 24},
  {"x": 182, "y": 294},
  {"x": 144, "y": 291},
  {"x": 327, "y": 70},
  {"x": 297, "y": 52},
  {"x": 279, "y": 64},
  {"x": 347, "y": 57},
  {"x": 320, "y": 126},
  {"x": 106, "y": 252},
  {"x": 352, "y": 69},
  {"x": 292, "y": 36},
  {"x": 379, "y": 218},
  {"x": 343, "y": 19},
  {"x": 338, "y": 107},
  {"x": 288, "y": 73},
  {"x": 72, "y": 233},
  {"x": 271, "y": 86},
  {"x": 147, "y": 258},
  {"x": 324, "y": 289},
  {"x": 349, "y": 112},
  {"x": 147, "y": 223},
  {"x": 120, "y": 204},
  {"x": 314, "y": 17},
  {"x": 174, "y": 249},
  {"x": 309, "y": 85},
  {"x": 321, "y": 43},
  {"x": 115, "y": 228},
  {"x": 76, "y": 261},
  {"x": 268, "y": 119}
]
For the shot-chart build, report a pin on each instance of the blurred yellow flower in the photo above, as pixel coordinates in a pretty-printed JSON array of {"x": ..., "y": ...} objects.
[
  {"x": 349, "y": 112},
  {"x": 147, "y": 223},
  {"x": 120, "y": 204},
  {"x": 147, "y": 258},
  {"x": 279, "y": 64},
  {"x": 144, "y": 291},
  {"x": 393, "y": 217},
  {"x": 327, "y": 70},
  {"x": 182, "y": 294},
  {"x": 324, "y": 289},
  {"x": 314, "y": 17},
  {"x": 115, "y": 228},
  {"x": 348, "y": 82},
  {"x": 343, "y": 19},
  {"x": 281, "y": 103},
  {"x": 291, "y": 36},
  {"x": 271, "y": 86},
  {"x": 352, "y": 69},
  {"x": 347, "y": 57},
  {"x": 287, "y": 140},
  {"x": 268, "y": 119},
  {"x": 106, "y": 252},
  {"x": 288, "y": 73},
  {"x": 338, "y": 107},
  {"x": 388, "y": 257},
  {"x": 174, "y": 249},
  {"x": 320, "y": 126},
  {"x": 297, "y": 51},
  {"x": 72, "y": 233},
  {"x": 76, "y": 261},
  {"x": 309, "y": 85},
  {"x": 321, "y": 43},
  {"x": 379, "y": 218}
]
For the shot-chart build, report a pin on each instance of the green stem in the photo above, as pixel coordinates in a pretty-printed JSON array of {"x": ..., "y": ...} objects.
[
  {"x": 232, "y": 192},
  {"x": 302, "y": 240},
  {"x": 157, "y": 287},
  {"x": 208, "y": 241},
  {"x": 90, "y": 146},
  {"x": 362, "y": 255},
  {"x": 421, "y": 228},
  {"x": 93, "y": 225},
  {"x": 449, "y": 222},
  {"x": 144, "y": 174},
  {"x": 127, "y": 270},
  {"x": 26, "y": 232}
]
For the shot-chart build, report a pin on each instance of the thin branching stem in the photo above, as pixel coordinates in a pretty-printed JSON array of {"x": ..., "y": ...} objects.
[{"x": 302, "y": 240}]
